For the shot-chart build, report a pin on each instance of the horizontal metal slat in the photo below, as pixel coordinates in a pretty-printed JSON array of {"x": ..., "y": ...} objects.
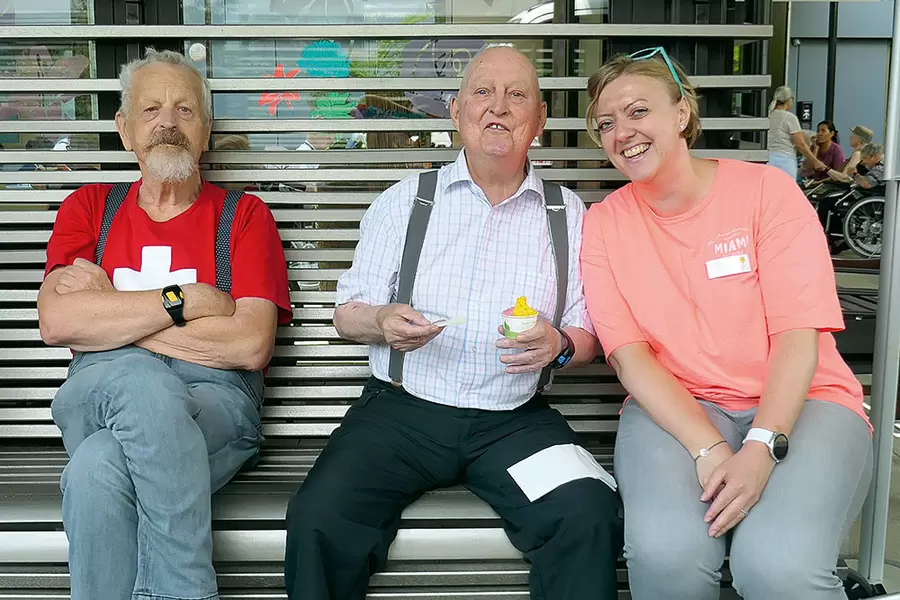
[
  {"x": 300, "y": 314},
  {"x": 353, "y": 32},
  {"x": 272, "y": 576},
  {"x": 306, "y": 84},
  {"x": 10, "y": 415},
  {"x": 268, "y": 545},
  {"x": 348, "y": 157},
  {"x": 348, "y": 125},
  {"x": 325, "y": 298},
  {"x": 349, "y": 393},
  {"x": 36, "y": 276},
  {"x": 316, "y": 352},
  {"x": 285, "y": 175},
  {"x": 281, "y": 215},
  {"x": 323, "y": 371},
  {"x": 271, "y": 198},
  {"x": 310, "y": 198}
]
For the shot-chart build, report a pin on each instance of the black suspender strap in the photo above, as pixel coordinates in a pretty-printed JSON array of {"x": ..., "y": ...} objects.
[
  {"x": 223, "y": 240},
  {"x": 113, "y": 203},
  {"x": 409, "y": 263},
  {"x": 556, "y": 218}
]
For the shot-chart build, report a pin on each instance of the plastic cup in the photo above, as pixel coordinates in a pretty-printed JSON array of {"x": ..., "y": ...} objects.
[{"x": 513, "y": 325}]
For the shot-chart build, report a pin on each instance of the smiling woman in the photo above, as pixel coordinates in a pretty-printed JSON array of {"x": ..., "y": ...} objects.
[
  {"x": 667, "y": 73},
  {"x": 712, "y": 292}
]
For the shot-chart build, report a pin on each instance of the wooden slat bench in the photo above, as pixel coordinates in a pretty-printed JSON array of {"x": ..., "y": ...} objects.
[{"x": 450, "y": 545}]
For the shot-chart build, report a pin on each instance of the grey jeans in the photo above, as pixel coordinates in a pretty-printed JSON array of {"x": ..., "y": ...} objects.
[{"x": 786, "y": 548}]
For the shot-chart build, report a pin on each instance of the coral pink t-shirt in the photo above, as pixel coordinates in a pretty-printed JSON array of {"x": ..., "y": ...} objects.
[{"x": 706, "y": 289}]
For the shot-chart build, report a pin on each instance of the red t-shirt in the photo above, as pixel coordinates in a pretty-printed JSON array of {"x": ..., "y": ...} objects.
[{"x": 142, "y": 254}]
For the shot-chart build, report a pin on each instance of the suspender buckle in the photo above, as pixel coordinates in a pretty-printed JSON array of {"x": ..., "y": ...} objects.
[
  {"x": 555, "y": 207},
  {"x": 425, "y": 201}
]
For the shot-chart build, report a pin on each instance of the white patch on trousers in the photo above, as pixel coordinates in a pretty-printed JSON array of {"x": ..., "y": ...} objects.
[{"x": 544, "y": 471}]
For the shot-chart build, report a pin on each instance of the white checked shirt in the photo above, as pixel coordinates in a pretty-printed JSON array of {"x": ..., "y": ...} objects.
[{"x": 476, "y": 260}]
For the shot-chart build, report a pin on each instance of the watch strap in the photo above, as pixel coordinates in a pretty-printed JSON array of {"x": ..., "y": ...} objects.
[
  {"x": 566, "y": 354},
  {"x": 173, "y": 301},
  {"x": 758, "y": 434}
]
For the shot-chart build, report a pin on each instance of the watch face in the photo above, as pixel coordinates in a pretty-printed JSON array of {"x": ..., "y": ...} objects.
[
  {"x": 172, "y": 296},
  {"x": 780, "y": 446}
]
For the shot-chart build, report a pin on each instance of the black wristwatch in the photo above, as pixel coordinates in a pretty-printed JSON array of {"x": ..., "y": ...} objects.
[
  {"x": 173, "y": 302},
  {"x": 568, "y": 351}
]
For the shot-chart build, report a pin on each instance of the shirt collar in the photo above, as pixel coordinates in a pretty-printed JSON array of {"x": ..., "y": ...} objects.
[{"x": 458, "y": 171}]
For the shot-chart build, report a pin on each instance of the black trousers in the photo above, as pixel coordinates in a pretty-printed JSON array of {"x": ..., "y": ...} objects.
[{"x": 391, "y": 447}]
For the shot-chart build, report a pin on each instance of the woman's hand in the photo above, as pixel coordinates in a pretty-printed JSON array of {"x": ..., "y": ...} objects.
[
  {"x": 706, "y": 466},
  {"x": 736, "y": 484}
]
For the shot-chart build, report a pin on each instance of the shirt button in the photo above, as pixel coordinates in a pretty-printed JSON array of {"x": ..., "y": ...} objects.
[{"x": 474, "y": 348}]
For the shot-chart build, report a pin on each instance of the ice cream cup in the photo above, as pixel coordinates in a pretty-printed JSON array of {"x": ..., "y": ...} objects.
[{"x": 513, "y": 325}]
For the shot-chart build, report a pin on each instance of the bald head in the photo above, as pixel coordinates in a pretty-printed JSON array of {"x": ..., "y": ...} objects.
[
  {"x": 498, "y": 55},
  {"x": 498, "y": 111}
]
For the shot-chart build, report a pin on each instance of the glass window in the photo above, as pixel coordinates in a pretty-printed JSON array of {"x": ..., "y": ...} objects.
[
  {"x": 50, "y": 59},
  {"x": 344, "y": 12},
  {"x": 46, "y": 12}
]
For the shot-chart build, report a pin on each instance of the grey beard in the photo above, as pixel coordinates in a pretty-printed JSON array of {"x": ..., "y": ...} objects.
[{"x": 170, "y": 166}]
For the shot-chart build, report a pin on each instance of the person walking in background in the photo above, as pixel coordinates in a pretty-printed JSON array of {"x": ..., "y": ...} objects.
[{"x": 785, "y": 135}]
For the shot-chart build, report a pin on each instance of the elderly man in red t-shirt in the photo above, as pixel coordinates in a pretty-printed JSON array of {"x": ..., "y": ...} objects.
[{"x": 169, "y": 292}]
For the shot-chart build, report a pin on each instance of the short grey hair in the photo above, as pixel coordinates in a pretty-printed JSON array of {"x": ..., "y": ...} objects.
[
  {"x": 151, "y": 57},
  {"x": 871, "y": 150}
]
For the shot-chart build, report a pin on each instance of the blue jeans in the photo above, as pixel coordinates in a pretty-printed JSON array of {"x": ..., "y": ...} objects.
[
  {"x": 149, "y": 439},
  {"x": 786, "y": 163}
]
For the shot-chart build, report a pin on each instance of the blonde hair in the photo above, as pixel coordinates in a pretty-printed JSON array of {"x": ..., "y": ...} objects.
[
  {"x": 621, "y": 65},
  {"x": 782, "y": 94}
]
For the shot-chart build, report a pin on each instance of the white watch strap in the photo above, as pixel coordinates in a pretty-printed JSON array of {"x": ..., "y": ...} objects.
[{"x": 758, "y": 434}]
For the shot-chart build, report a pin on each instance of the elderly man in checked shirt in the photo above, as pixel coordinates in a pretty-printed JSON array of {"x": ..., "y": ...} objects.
[{"x": 469, "y": 411}]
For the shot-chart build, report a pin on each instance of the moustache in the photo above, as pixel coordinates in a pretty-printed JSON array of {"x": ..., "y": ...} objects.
[{"x": 169, "y": 138}]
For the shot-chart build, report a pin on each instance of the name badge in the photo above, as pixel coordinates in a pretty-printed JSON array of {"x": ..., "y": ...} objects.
[{"x": 727, "y": 265}]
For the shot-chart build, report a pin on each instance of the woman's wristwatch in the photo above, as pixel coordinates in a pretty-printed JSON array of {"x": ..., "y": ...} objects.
[{"x": 776, "y": 442}]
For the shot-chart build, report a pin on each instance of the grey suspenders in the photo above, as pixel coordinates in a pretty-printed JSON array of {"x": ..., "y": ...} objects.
[
  {"x": 116, "y": 197},
  {"x": 559, "y": 236},
  {"x": 415, "y": 237},
  {"x": 409, "y": 263},
  {"x": 223, "y": 240},
  {"x": 114, "y": 200}
]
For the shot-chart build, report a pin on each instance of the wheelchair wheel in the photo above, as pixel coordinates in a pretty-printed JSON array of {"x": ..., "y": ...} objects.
[
  {"x": 863, "y": 226},
  {"x": 857, "y": 587}
]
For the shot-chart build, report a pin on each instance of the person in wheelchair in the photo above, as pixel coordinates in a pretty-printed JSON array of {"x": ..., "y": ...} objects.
[
  {"x": 831, "y": 201},
  {"x": 870, "y": 170},
  {"x": 860, "y": 136}
]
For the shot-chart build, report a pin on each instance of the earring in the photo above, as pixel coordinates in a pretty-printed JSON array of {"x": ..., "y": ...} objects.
[{"x": 683, "y": 125}]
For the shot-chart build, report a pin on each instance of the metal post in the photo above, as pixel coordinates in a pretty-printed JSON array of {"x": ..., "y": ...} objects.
[
  {"x": 831, "y": 67},
  {"x": 886, "y": 365}
]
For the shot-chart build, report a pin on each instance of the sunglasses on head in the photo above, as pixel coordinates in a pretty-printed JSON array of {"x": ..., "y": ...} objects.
[{"x": 648, "y": 53}]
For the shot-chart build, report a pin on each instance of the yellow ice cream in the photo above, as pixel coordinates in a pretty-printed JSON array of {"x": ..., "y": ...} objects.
[{"x": 521, "y": 309}]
